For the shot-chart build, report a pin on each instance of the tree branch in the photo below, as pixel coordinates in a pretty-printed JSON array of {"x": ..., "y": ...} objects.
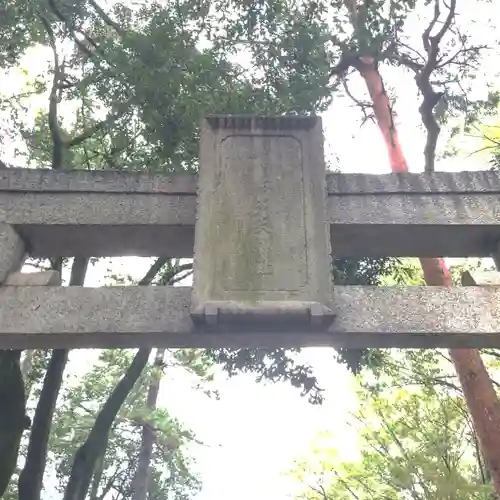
[
  {"x": 153, "y": 271},
  {"x": 106, "y": 18},
  {"x": 109, "y": 485},
  {"x": 406, "y": 61},
  {"x": 95, "y": 445},
  {"x": 427, "y": 32},
  {"x": 60, "y": 143},
  {"x": 450, "y": 60},
  {"x": 173, "y": 274},
  {"x": 31, "y": 478},
  {"x": 436, "y": 39},
  {"x": 140, "y": 481},
  {"x": 73, "y": 30},
  {"x": 97, "y": 440},
  {"x": 430, "y": 96},
  {"x": 346, "y": 61},
  {"x": 86, "y": 134},
  {"x": 180, "y": 277},
  {"x": 363, "y": 105},
  {"x": 55, "y": 130}
]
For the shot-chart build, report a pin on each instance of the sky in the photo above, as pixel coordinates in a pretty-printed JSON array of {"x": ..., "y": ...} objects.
[{"x": 255, "y": 431}]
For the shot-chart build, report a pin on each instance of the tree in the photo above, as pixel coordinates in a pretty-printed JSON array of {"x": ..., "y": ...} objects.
[
  {"x": 478, "y": 390},
  {"x": 442, "y": 72},
  {"x": 126, "y": 89},
  {"x": 49, "y": 140},
  {"x": 119, "y": 458},
  {"x": 144, "y": 70},
  {"x": 416, "y": 439}
]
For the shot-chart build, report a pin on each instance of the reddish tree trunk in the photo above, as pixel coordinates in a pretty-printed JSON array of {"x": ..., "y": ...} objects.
[
  {"x": 383, "y": 114},
  {"x": 477, "y": 387},
  {"x": 483, "y": 405}
]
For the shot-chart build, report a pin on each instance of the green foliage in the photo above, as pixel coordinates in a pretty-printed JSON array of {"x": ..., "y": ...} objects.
[
  {"x": 488, "y": 136},
  {"x": 148, "y": 71},
  {"x": 341, "y": 32},
  {"x": 280, "y": 365},
  {"x": 363, "y": 272},
  {"x": 289, "y": 48},
  {"x": 416, "y": 440},
  {"x": 405, "y": 272},
  {"x": 273, "y": 365},
  {"x": 131, "y": 85},
  {"x": 19, "y": 29},
  {"x": 76, "y": 413}
]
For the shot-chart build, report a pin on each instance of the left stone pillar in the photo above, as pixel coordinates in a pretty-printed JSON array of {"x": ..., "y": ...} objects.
[
  {"x": 262, "y": 246},
  {"x": 12, "y": 251}
]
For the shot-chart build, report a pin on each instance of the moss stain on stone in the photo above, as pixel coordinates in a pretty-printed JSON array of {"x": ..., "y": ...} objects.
[
  {"x": 247, "y": 263},
  {"x": 240, "y": 269}
]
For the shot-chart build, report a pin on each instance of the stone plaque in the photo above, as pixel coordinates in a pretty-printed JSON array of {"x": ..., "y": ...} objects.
[
  {"x": 266, "y": 231},
  {"x": 261, "y": 237}
]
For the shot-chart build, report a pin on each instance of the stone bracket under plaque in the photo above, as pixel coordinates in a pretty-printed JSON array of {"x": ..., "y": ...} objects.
[{"x": 288, "y": 315}]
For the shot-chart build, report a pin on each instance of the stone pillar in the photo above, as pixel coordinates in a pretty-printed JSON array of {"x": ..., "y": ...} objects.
[
  {"x": 12, "y": 251},
  {"x": 262, "y": 246}
]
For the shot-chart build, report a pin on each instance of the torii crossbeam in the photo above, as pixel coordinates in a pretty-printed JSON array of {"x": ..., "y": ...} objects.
[{"x": 261, "y": 223}]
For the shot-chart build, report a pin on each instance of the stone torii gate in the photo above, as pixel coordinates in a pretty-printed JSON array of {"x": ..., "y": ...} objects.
[{"x": 261, "y": 223}]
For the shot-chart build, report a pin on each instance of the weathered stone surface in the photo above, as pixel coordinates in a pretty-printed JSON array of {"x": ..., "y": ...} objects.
[
  {"x": 485, "y": 181},
  {"x": 41, "y": 278},
  {"x": 11, "y": 250},
  {"x": 425, "y": 215},
  {"x": 96, "y": 181},
  {"x": 261, "y": 233},
  {"x": 82, "y": 213},
  {"x": 103, "y": 224},
  {"x": 481, "y": 278},
  {"x": 109, "y": 317},
  {"x": 119, "y": 213}
]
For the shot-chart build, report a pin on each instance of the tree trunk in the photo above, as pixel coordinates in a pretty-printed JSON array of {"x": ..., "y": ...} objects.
[
  {"x": 483, "y": 404},
  {"x": 40, "y": 359},
  {"x": 382, "y": 111},
  {"x": 31, "y": 478},
  {"x": 13, "y": 419},
  {"x": 96, "y": 478},
  {"x": 477, "y": 387},
  {"x": 94, "y": 446},
  {"x": 140, "y": 483}
]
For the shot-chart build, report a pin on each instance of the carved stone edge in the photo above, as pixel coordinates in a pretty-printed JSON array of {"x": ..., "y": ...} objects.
[
  {"x": 480, "y": 278},
  {"x": 256, "y": 122},
  {"x": 287, "y": 314},
  {"x": 42, "y": 278}
]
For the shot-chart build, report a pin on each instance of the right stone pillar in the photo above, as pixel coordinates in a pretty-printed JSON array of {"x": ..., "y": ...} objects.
[{"x": 262, "y": 246}]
